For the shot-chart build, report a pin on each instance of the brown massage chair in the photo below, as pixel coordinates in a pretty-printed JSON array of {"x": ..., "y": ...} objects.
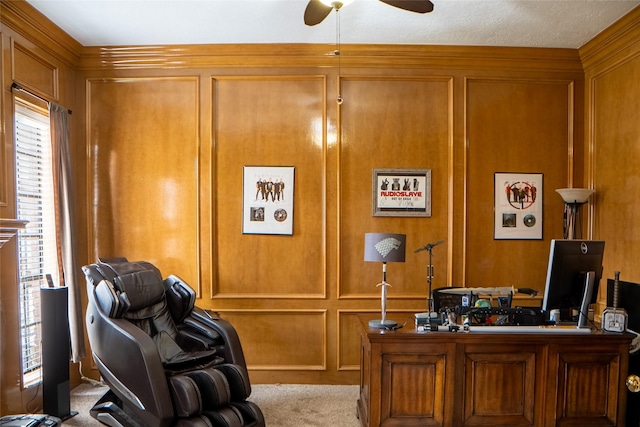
[{"x": 166, "y": 362}]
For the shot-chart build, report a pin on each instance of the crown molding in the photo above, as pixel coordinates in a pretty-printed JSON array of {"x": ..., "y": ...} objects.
[
  {"x": 26, "y": 21},
  {"x": 618, "y": 37},
  {"x": 323, "y": 55}
]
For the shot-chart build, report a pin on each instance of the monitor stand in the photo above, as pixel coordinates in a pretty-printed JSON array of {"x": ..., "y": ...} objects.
[{"x": 589, "y": 283}]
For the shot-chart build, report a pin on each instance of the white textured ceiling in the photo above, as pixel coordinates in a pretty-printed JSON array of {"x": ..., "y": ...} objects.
[{"x": 531, "y": 23}]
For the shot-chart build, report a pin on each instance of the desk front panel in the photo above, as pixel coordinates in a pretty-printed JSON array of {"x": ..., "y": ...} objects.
[{"x": 462, "y": 379}]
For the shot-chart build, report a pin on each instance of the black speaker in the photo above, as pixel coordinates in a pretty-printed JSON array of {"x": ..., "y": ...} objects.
[{"x": 54, "y": 309}]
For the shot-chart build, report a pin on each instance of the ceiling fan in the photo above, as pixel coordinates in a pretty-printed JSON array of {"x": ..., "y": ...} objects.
[{"x": 317, "y": 10}]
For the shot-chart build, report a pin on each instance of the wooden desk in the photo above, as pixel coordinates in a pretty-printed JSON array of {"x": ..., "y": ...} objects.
[{"x": 410, "y": 378}]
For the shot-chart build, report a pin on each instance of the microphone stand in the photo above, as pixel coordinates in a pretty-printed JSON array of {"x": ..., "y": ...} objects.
[
  {"x": 429, "y": 247},
  {"x": 430, "y": 281}
]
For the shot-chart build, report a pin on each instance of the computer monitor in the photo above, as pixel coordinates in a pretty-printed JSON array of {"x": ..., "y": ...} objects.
[{"x": 568, "y": 287}]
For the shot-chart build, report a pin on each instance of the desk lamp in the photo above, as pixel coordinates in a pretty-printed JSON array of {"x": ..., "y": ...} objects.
[
  {"x": 384, "y": 248},
  {"x": 573, "y": 199}
]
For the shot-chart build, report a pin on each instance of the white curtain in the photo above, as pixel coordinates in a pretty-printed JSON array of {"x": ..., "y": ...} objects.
[{"x": 65, "y": 203}]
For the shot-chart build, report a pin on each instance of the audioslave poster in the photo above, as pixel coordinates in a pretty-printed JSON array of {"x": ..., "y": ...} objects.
[
  {"x": 518, "y": 206},
  {"x": 401, "y": 192},
  {"x": 267, "y": 206}
]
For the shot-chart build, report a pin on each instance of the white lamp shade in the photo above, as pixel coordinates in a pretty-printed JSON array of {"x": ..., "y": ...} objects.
[{"x": 575, "y": 195}]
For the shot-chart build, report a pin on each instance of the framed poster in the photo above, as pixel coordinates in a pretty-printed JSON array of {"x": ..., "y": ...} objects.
[
  {"x": 401, "y": 192},
  {"x": 518, "y": 206},
  {"x": 267, "y": 200}
]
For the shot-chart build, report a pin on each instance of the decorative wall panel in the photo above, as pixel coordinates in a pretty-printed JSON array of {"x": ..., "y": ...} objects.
[
  {"x": 615, "y": 178},
  {"x": 270, "y": 121},
  {"x": 348, "y": 357},
  {"x": 5, "y": 170},
  {"x": 143, "y": 142},
  {"x": 514, "y": 126},
  {"x": 34, "y": 72},
  {"x": 397, "y": 123},
  {"x": 281, "y": 339}
]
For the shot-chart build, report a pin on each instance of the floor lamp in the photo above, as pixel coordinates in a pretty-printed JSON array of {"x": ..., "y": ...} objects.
[
  {"x": 384, "y": 248},
  {"x": 573, "y": 198}
]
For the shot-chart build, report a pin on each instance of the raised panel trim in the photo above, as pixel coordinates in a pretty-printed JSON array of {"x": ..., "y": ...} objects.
[
  {"x": 50, "y": 93},
  {"x": 4, "y": 143},
  {"x": 448, "y": 80},
  {"x": 591, "y": 153},
  {"x": 570, "y": 84},
  {"x": 215, "y": 294},
  {"x": 89, "y": 84},
  {"x": 394, "y": 398},
  {"x": 474, "y": 361},
  {"x": 322, "y": 312},
  {"x": 610, "y": 362},
  {"x": 340, "y": 339}
]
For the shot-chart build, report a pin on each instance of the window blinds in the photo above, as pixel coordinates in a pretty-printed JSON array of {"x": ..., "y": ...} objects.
[{"x": 37, "y": 255}]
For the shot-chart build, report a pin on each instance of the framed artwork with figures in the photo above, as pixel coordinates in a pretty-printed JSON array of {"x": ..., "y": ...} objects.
[
  {"x": 401, "y": 192},
  {"x": 518, "y": 206},
  {"x": 267, "y": 199}
]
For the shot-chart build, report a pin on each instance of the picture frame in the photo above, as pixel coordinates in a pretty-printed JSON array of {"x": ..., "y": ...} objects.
[
  {"x": 267, "y": 200},
  {"x": 401, "y": 192},
  {"x": 518, "y": 206}
]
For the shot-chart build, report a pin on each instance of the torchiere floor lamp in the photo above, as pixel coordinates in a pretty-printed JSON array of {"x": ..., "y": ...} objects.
[{"x": 573, "y": 198}]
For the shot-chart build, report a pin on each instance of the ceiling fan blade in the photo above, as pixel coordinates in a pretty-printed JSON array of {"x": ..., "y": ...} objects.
[
  {"x": 418, "y": 6},
  {"x": 315, "y": 12}
]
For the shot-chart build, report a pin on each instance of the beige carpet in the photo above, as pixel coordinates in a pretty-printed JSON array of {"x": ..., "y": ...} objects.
[{"x": 283, "y": 405}]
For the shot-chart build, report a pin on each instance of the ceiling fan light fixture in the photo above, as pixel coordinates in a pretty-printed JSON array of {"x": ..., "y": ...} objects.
[
  {"x": 317, "y": 10},
  {"x": 336, "y": 4}
]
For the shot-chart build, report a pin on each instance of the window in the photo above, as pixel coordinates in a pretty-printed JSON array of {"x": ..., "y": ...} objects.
[{"x": 37, "y": 253}]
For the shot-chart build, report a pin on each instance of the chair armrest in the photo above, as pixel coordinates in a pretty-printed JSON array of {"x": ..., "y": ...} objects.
[
  {"x": 232, "y": 348},
  {"x": 181, "y": 297}
]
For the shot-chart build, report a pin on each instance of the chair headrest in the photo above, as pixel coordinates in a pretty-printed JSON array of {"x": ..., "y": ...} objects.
[
  {"x": 143, "y": 288},
  {"x": 120, "y": 266}
]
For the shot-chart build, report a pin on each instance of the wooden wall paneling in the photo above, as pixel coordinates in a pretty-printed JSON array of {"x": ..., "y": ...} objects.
[
  {"x": 348, "y": 338},
  {"x": 269, "y": 338},
  {"x": 5, "y": 102},
  {"x": 615, "y": 132},
  {"x": 270, "y": 121},
  {"x": 348, "y": 356},
  {"x": 14, "y": 398},
  {"x": 456, "y": 185},
  {"x": 34, "y": 72},
  {"x": 143, "y": 143},
  {"x": 611, "y": 64},
  {"x": 206, "y": 194},
  {"x": 400, "y": 123},
  {"x": 514, "y": 126},
  {"x": 8, "y": 253}
]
